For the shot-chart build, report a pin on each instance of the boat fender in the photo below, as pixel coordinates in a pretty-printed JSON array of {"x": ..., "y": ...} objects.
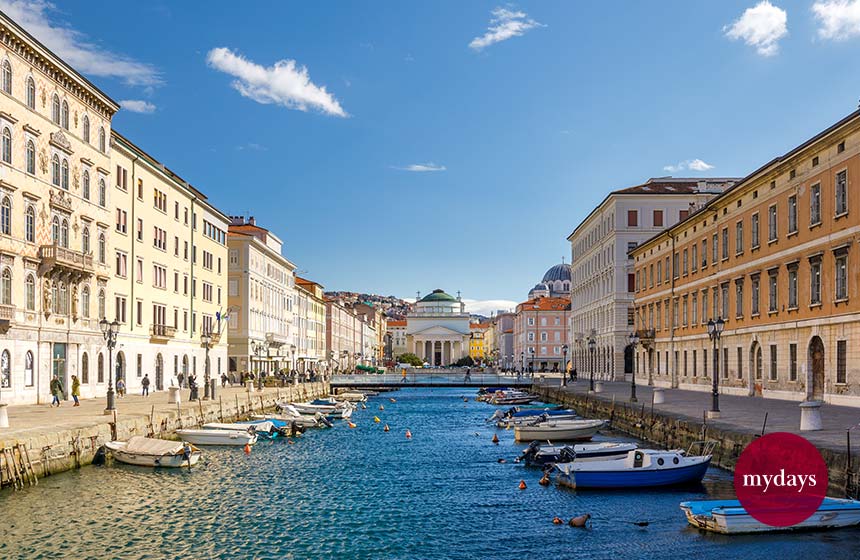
[
  {"x": 522, "y": 485},
  {"x": 557, "y": 520},
  {"x": 247, "y": 449},
  {"x": 579, "y": 521},
  {"x": 496, "y": 439},
  {"x": 408, "y": 434},
  {"x": 544, "y": 481}
]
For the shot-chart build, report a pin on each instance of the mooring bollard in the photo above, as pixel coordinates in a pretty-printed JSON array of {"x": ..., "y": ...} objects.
[
  {"x": 810, "y": 416},
  {"x": 173, "y": 395},
  {"x": 4, "y": 415},
  {"x": 598, "y": 386},
  {"x": 659, "y": 396}
]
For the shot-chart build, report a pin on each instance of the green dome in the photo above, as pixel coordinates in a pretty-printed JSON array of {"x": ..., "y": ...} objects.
[{"x": 438, "y": 295}]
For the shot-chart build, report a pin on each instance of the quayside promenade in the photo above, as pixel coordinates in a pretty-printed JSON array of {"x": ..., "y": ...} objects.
[
  {"x": 681, "y": 420},
  {"x": 55, "y": 439}
]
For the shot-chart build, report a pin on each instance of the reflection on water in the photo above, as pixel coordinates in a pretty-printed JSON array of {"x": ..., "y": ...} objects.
[{"x": 365, "y": 494}]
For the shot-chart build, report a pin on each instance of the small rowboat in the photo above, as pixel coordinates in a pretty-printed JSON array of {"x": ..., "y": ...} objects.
[
  {"x": 559, "y": 430},
  {"x": 641, "y": 468},
  {"x": 149, "y": 452},
  {"x": 218, "y": 437},
  {"x": 729, "y": 516}
]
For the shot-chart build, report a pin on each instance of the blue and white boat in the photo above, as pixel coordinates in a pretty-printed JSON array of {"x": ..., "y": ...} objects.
[
  {"x": 641, "y": 468},
  {"x": 537, "y": 455},
  {"x": 729, "y": 516}
]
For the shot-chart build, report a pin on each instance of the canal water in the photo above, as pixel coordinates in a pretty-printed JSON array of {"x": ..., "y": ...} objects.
[{"x": 365, "y": 494}]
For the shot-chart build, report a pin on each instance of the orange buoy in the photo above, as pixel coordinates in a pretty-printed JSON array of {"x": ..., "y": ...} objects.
[
  {"x": 496, "y": 439},
  {"x": 291, "y": 442},
  {"x": 385, "y": 429},
  {"x": 557, "y": 520},
  {"x": 376, "y": 419},
  {"x": 408, "y": 434},
  {"x": 544, "y": 481},
  {"x": 351, "y": 425},
  {"x": 247, "y": 449},
  {"x": 522, "y": 485}
]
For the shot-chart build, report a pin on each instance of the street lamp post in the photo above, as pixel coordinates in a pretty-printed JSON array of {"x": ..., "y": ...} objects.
[
  {"x": 715, "y": 331},
  {"x": 634, "y": 342},
  {"x": 109, "y": 331},
  {"x": 564, "y": 366},
  {"x": 532, "y": 355},
  {"x": 591, "y": 344},
  {"x": 293, "y": 363},
  {"x": 206, "y": 339},
  {"x": 522, "y": 361}
]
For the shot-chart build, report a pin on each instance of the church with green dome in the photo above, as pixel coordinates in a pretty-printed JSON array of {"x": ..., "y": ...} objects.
[{"x": 437, "y": 329}]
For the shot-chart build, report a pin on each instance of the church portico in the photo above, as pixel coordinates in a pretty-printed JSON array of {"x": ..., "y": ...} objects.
[{"x": 437, "y": 331}]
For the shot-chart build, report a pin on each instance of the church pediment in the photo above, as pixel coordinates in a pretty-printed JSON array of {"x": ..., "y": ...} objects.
[{"x": 438, "y": 330}]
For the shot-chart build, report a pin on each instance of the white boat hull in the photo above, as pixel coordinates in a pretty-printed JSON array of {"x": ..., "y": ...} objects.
[
  {"x": 560, "y": 431},
  {"x": 147, "y": 460},
  {"x": 218, "y": 437},
  {"x": 732, "y": 521}
]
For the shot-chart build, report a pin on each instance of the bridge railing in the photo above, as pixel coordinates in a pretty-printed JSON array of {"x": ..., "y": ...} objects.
[{"x": 431, "y": 377}]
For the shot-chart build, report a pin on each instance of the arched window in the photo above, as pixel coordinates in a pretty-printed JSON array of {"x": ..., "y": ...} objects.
[
  {"x": 6, "y": 287},
  {"x": 30, "y": 285},
  {"x": 55, "y": 296},
  {"x": 31, "y": 157},
  {"x": 85, "y": 368},
  {"x": 65, "y": 174},
  {"x": 85, "y": 302},
  {"x": 7, "y": 145},
  {"x": 6, "y": 216},
  {"x": 65, "y": 115},
  {"x": 102, "y": 249},
  {"x": 85, "y": 240},
  {"x": 102, "y": 310},
  {"x": 5, "y": 369},
  {"x": 55, "y": 109},
  {"x": 64, "y": 233},
  {"x": 28, "y": 369},
  {"x": 7, "y": 77},
  {"x": 31, "y": 93},
  {"x": 101, "y": 369},
  {"x": 55, "y": 170},
  {"x": 102, "y": 146},
  {"x": 55, "y": 231},
  {"x": 86, "y": 184},
  {"x": 86, "y": 129},
  {"x": 30, "y": 224},
  {"x": 102, "y": 193}
]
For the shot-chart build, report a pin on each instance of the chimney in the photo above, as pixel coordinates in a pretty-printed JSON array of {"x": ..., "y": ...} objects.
[{"x": 252, "y": 221}]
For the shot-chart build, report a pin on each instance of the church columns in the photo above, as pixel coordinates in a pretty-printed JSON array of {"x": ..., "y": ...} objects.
[{"x": 446, "y": 352}]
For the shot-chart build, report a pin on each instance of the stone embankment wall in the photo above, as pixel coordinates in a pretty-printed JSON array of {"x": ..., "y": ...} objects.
[
  {"x": 53, "y": 449},
  {"x": 675, "y": 432}
]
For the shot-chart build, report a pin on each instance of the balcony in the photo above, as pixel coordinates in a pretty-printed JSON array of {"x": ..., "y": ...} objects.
[
  {"x": 7, "y": 317},
  {"x": 646, "y": 337},
  {"x": 56, "y": 259},
  {"x": 161, "y": 333}
]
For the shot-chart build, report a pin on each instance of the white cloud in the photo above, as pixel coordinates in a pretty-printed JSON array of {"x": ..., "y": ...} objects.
[
  {"x": 690, "y": 164},
  {"x": 504, "y": 24},
  {"x": 761, "y": 26},
  {"x": 838, "y": 19},
  {"x": 75, "y": 48},
  {"x": 422, "y": 167},
  {"x": 285, "y": 83},
  {"x": 137, "y": 106},
  {"x": 252, "y": 146},
  {"x": 486, "y": 307}
]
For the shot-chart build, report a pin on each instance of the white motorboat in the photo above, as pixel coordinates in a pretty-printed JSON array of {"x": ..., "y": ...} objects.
[
  {"x": 537, "y": 455},
  {"x": 339, "y": 410},
  {"x": 641, "y": 468},
  {"x": 303, "y": 421},
  {"x": 559, "y": 430},
  {"x": 353, "y": 396},
  {"x": 149, "y": 452},
  {"x": 730, "y": 517},
  {"x": 265, "y": 428},
  {"x": 218, "y": 437}
]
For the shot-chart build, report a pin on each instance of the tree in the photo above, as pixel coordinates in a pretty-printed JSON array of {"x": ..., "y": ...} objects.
[
  {"x": 467, "y": 362},
  {"x": 411, "y": 359}
]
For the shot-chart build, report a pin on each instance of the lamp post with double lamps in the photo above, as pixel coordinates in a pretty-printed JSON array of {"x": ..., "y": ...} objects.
[
  {"x": 109, "y": 331},
  {"x": 715, "y": 331},
  {"x": 591, "y": 345},
  {"x": 532, "y": 366},
  {"x": 206, "y": 340},
  {"x": 564, "y": 366},
  {"x": 634, "y": 342}
]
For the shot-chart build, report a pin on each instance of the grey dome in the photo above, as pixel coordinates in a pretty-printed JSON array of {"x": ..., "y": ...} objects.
[{"x": 558, "y": 272}]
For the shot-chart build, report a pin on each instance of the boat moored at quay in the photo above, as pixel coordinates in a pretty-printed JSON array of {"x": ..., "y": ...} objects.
[{"x": 730, "y": 517}]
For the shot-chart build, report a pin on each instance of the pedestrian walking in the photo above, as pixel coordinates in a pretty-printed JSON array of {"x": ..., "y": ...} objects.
[
  {"x": 145, "y": 386},
  {"x": 181, "y": 379},
  {"x": 56, "y": 390},
  {"x": 573, "y": 375},
  {"x": 76, "y": 390},
  {"x": 120, "y": 387}
]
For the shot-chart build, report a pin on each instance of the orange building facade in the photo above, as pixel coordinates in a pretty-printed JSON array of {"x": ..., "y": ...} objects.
[{"x": 777, "y": 258}]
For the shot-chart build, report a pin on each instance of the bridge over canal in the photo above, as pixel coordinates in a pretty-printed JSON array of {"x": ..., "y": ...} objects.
[{"x": 429, "y": 378}]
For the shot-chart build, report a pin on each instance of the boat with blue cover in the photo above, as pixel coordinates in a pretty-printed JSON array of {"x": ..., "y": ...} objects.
[
  {"x": 641, "y": 468},
  {"x": 729, "y": 516}
]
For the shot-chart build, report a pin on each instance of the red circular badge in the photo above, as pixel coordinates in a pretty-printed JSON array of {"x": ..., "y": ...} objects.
[{"x": 781, "y": 479}]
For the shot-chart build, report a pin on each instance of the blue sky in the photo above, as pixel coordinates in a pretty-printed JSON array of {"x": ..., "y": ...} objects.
[{"x": 453, "y": 144}]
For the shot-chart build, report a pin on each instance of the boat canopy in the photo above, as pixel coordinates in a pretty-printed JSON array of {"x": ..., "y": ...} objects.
[{"x": 148, "y": 446}]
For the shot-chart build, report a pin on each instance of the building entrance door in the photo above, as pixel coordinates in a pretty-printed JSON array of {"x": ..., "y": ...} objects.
[
  {"x": 58, "y": 366},
  {"x": 159, "y": 373},
  {"x": 816, "y": 363}
]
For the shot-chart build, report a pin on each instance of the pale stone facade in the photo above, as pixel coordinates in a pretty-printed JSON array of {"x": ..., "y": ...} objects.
[
  {"x": 397, "y": 330},
  {"x": 343, "y": 335},
  {"x": 310, "y": 322},
  {"x": 776, "y": 257},
  {"x": 437, "y": 330},
  {"x": 602, "y": 274},
  {"x": 261, "y": 295},
  {"x": 168, "y": 285},
  {"x": 54, "y": 216}
]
